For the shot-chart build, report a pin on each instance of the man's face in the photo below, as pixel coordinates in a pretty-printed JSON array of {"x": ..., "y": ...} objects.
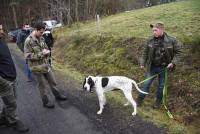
[
  {"x": 26, "y": 27},
  {"x": 157, "y": 32},
  {"x": 1, "y": 31},
  {"x": 39, "y": 33}
]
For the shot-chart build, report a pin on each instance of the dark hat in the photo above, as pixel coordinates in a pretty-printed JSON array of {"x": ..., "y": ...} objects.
[{"x": 157, "y": 25}]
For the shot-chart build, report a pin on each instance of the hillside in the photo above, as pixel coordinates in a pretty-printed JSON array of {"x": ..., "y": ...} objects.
[{"x": 113, "y": 47}]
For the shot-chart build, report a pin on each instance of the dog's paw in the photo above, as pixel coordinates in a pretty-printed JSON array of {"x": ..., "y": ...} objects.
[
  {"x": 99, "y": 112},
  {"x": 133, "y": 114}
]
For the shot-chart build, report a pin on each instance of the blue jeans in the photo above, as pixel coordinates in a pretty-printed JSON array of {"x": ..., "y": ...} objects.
[
  {"x": 28, "y": 71},
  {"x": 161, "y": 80}
]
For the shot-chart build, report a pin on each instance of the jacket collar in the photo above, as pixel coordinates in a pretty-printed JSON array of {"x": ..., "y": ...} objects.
[
  {"x": 38, "y": 40},
  {"x": 166, "y": 38}
]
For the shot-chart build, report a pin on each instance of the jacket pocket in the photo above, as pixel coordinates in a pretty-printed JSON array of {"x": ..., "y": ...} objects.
[{"x": 36, "y": 49}]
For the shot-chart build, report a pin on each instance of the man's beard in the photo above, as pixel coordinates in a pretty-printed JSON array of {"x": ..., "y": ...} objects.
[{"x": 2, "y": 35}]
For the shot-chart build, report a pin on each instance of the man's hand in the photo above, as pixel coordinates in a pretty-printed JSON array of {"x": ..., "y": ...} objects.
[
  {"x": 170, "y": 65},
  {"x": 45, "y": 51}
]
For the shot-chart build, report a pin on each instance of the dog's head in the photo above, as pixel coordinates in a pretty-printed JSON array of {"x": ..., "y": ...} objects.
[{"x": 88, "y": 83}]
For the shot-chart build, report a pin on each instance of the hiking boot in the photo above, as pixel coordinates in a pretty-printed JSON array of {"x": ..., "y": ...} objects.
[
  {"x": 139, "y": 102},
  {"x": 47, "y": 103},
  {"x": 59, "y": 96},
  {"x": 19, "y": 126},
  {"x": 157, "y": 104}
]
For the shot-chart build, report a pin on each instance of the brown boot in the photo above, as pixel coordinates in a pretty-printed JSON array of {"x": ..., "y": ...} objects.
[
  {"x": 157, "y": 104},
  {"x": 46, "y": 102},
  {"x": 19, "y": 126}
]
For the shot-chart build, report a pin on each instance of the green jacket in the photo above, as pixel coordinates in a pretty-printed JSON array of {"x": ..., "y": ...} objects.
[
  {"x": 33, "y": 48},
  {"x": 172, "y": 48}
]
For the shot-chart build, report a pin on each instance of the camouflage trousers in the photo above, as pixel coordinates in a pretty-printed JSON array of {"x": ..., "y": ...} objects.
[
  {"x": 8, "y": 97},
  {"x": 49, "y": 77}
]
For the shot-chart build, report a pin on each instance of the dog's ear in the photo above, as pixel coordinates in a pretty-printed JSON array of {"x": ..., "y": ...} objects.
[
  {"x": 84, "y": 82},
  {"x": 90, "y": 82}
]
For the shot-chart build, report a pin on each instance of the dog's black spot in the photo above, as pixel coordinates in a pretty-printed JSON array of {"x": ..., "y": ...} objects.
[
  {"x": 84, "y": 82},
  {"x": 90, "y": 82},
  {"x": 104, "y": 82}
]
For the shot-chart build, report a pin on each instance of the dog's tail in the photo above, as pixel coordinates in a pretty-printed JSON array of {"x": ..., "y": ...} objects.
[{"x": 136, "y": 86}]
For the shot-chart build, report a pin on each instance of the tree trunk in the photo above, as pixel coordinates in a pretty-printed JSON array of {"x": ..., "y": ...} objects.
[
  {"x": 86, "y": 9},
  {"x": 61, "y": 17},
  {"x": 76, "y": 11},
  {"x": 29, "y": 15},
  {"x": 14, "y": 16},
  {"x": 69, "y": 13},
  {"x": 93, "y": 7}
]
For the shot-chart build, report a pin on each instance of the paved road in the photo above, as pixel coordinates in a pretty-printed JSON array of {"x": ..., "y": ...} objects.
[{"x": 61, "y": 120}]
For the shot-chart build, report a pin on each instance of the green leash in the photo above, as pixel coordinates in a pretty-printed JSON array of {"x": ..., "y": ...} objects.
[
  {"x": 149, "y": 78},
  {"x": 164, "y": 90},
  {"x": 165, "y": 95}
]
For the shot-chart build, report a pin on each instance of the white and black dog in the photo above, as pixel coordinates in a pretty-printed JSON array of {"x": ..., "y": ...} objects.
[{"x": 104, "y": 84}]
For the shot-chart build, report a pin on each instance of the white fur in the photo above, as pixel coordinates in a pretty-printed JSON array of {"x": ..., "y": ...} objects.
[{"x": 115, "y": 82}]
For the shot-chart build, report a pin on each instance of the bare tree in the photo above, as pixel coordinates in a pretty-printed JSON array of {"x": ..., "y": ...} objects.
[
  {"x": 13, "y": 5},
  {"x": 76, "y": 10},
  {"x": 14, "y": 12},
  {"x": 58, "y": 8},
  {"x": 86, "y": 9}
]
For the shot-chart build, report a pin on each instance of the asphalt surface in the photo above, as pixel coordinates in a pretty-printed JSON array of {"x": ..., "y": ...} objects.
[
  {"x": 77, "y": 115},
  {"x": 60, "y": 120}
]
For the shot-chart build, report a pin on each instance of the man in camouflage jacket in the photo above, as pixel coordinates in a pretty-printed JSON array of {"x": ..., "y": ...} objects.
[{"x": 37, "y": 53}]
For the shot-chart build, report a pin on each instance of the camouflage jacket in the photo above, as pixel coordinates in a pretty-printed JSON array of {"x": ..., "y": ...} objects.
[
  {"x": 172, "y": 48},
  {"x": 33, "y": 48}
]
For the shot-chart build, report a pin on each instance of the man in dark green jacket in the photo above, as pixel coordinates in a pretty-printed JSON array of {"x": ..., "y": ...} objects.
[{"x": 161, "y": 51}]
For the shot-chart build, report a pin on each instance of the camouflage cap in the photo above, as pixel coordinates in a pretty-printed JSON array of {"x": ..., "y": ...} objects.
[{"x": 157, "y": 25}]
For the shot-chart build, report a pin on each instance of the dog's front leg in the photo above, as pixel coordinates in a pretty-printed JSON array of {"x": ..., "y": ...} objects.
[
  {"x": 102, "y": 101},
  {"x": 126, "y": 104}
]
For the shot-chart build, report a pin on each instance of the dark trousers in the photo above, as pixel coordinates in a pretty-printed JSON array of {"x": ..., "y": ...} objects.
[
  {"x": 42, "y": 78},
  {"x": 161, "y": 81}
]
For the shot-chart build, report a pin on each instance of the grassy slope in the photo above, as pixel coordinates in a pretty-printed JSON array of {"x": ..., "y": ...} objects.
[{"x": 114, "y": 48}]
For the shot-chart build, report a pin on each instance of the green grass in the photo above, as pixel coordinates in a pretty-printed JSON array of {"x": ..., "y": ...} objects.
[
  {"x": 114, "y": 48},
  {"x": 179, "y": 18}
]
